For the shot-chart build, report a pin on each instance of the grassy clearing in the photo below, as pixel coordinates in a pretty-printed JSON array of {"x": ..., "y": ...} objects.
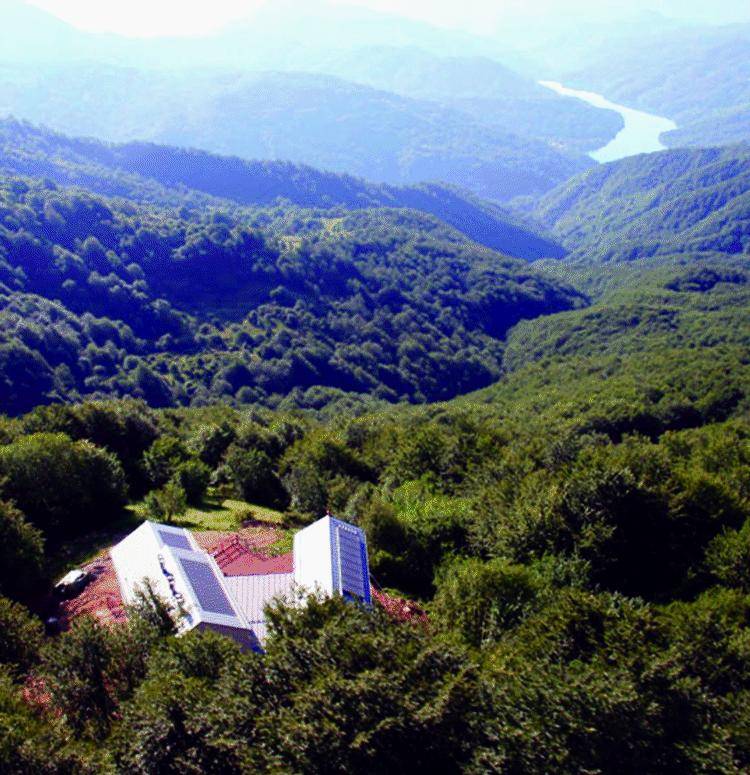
[
  {"x": 284, "y": 545},
  {"x": 215, "y": 513}
]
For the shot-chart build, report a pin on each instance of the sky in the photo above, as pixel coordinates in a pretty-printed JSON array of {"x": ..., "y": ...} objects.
[{"x": 193, "y": 17}]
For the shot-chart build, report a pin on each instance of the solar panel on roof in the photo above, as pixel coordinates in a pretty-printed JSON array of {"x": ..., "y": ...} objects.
[
  {"x": 206, "y": 587},
  {"x": 351, "y": 563},
  {"x": 175, "y": 540}
]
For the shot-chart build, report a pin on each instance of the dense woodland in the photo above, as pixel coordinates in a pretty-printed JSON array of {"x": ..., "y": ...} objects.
[
  {"x": 106, "y": 299},
  {"x": 679, "y": 202},
  {"x": 578, "y": 534},
  {"x": 552, "y": 458}
]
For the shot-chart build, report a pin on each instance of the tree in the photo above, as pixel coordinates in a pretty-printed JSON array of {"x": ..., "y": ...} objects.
[
  {"x": 126, "y": 428},
  {"x": 21, "y": 554},
  {"x": 194, "y": 477},
  {"x": 174, "y": 721},
  {"x": 26, "y": 378},
  {"x": 340, "y": 689},
  {"x": 30, "y": 743},
  {"x": 21, "y": 636},
  {"x": 92, "y": 669},
  {"x": 149, "y": 386},
  {"x": 77, "y": 668},
  {"x": 167, "y": 504},
  {"x": 63, "y": 487},
  {"x": 481, "y": 600},
  {"x": 252, "y": 475},
  {"x": 162, "y": 459},
  {"x": 728, "y": 558},
  {"x": 210, "y": 443},
  {"x": 306, "y": 490}
]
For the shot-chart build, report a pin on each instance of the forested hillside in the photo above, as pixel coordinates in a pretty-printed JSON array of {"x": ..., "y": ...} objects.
[
  {"x": 690, "y": 303},
  {"x": 537, "y": 412},
  {"x": 105, "y": 298},
  {"x": 174, "y": 177},
  {"x": 577, "y": 531},
  {"x": 681, "y": 201},
  {"x": 578, "y": 534}
]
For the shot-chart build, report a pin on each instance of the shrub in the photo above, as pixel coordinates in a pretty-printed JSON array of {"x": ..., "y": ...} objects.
[
  {"x": 167, "y": 504},
  {"x": 63, "y": 487}
]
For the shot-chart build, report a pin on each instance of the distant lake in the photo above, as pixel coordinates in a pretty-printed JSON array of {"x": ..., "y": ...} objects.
[{"x": 641, "y": 133}]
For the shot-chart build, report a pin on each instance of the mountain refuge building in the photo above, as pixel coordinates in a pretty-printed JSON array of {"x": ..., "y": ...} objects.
[{"x": 229, "y": 595}]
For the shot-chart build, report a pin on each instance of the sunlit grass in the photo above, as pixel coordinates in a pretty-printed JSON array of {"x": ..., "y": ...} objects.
[{"x": 215, "y": 513}]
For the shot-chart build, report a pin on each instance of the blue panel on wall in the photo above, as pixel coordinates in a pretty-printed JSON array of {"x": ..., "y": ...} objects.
[{"x": 353, "y": 563}]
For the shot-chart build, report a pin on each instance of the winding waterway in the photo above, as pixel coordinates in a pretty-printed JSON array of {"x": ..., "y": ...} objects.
[{"x": 641, "y": 133}]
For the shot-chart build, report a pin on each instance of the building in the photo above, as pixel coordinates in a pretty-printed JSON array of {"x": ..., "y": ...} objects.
[{"x": 225, "y": 592}]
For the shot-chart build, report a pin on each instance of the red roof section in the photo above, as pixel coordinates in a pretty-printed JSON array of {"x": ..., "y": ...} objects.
[
  {"x": 101, "y": 598},
  {"x": 255, "y": 539},
  {"x": 235, "y": 557}
]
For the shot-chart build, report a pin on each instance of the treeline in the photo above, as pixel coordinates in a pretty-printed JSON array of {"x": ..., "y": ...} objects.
[{"x": 103, "y": 299}]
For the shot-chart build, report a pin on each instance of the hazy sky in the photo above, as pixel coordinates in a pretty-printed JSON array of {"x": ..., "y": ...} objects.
[{"x": 181, "y": 17}]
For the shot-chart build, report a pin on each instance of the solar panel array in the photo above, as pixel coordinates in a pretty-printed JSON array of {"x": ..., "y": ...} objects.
[
  {"x": 206, "y": 587},
  {"x": 175, "y": 540},
  {"x": 350, "y": 562}
]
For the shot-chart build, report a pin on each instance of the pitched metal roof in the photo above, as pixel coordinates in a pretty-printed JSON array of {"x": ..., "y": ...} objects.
[
  {"x": 254, "y": 593},
  {"x": 180, "y": 572}
]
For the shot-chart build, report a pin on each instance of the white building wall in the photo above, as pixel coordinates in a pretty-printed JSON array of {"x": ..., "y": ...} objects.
[
  {"x": 135, "y": 559},
  {"x": 313, "y": 557}
]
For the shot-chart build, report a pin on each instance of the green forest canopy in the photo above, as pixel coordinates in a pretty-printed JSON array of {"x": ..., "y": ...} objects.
[{"x": 578, "y": 529}]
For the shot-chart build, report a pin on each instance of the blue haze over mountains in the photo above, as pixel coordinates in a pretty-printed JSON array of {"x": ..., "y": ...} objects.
[{"x": 392, "y": 100}]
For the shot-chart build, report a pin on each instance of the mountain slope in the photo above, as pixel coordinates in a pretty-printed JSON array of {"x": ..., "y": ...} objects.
[
  {"x": 281, "y": 34},
  {"x": 683, "y": 302},
  {"x": 698, "y": 77},
  {"x": 103, "y": 298},
  {"x": 311, "y": 119},
  {"x": 663, "y": 203},
  {"x": 483, "y": 89},
  {"x": 176, "y": 177}
]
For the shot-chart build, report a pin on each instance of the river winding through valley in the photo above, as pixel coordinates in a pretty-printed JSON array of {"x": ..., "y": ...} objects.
[{"x": 641, "y": 133}]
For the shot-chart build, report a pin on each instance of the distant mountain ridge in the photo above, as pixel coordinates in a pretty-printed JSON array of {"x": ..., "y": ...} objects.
[
  {"x": 164, "y": 175},
  {"x": 699, "y": 77},
  {"x": 301, "y": 117},
  {"x": 283, "y": 34},
  {"x": 481, "y": 87}
]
